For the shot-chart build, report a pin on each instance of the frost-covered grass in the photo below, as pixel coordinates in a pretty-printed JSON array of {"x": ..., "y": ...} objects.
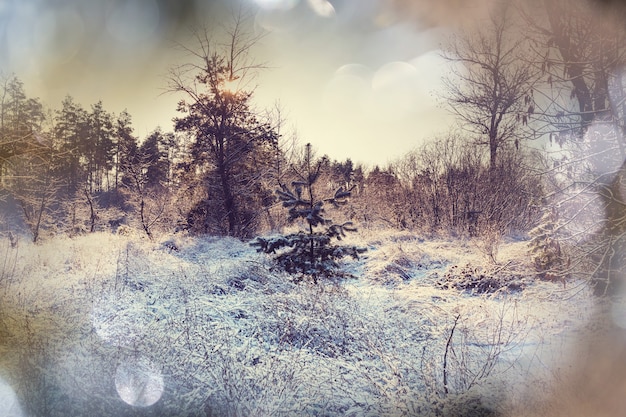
[{"x": 105, "y": 325}]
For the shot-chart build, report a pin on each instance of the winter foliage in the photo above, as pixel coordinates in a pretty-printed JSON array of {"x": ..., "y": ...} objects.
[
  {"x": 105, "y": 325},
  {"x": 128, "y": 285}
]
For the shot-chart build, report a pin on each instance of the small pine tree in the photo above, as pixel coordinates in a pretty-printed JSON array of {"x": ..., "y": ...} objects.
[
  {"x": 545, "y": 248},
  {"x": 311, "y": 252}
]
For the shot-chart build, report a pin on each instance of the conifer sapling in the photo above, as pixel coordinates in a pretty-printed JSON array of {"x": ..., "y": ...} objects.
[{"x": 310, "y": 252}]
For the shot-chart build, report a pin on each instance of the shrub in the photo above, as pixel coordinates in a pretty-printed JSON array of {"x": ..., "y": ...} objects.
[{"x": 545, "y": 249}]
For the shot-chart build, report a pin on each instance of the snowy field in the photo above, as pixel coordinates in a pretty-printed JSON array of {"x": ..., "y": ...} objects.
[{"x": 108, "y": 325}]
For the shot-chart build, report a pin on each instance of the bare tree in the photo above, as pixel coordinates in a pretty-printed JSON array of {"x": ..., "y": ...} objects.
[
  {"x": 580, "y": 53},
  {"x": 20, "y": 118},
  {"x": 491, "y": 90},
  {"x": 35, "y": 187},
  {"x": 580, "y": 57}
]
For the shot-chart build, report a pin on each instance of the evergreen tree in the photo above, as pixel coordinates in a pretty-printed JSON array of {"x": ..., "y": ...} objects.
[
  {"x": 71, "y": 130},
  {"x": 310, "y": 252},
  {"x": 229, "y": 136},
  {"x": 100, "y": 148},
  {"x": 20, "y": 116},
  {"x": 125, "y": 149},
  {"x": 343, "y": 171},
  {"x": 28, "y": 156},
  {"x": 154, "y": 156},
  {"x": 21, "y": 120}
]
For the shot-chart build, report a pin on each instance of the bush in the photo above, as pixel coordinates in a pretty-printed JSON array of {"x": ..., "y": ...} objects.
[
  {"x": 545, "y": 247},
  {"x": 479, "y": 281}
]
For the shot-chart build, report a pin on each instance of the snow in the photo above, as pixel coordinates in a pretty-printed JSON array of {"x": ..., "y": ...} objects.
[{"x": 105, "y": 325}]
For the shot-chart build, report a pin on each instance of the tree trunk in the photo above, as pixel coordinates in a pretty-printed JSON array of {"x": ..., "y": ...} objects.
[
  {"x": 493, "y": 154},
  {"x": 93, "y": 216},
  {"x": 37, "y": 225},
  {"x": 144, "y": 223},
  {"x": 572, "y": 67},
  {"x": 229, "y": 201}
]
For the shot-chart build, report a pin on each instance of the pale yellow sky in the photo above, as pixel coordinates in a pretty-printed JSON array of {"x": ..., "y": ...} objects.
[
  {"x": 351, "y": 101},
  {"x": 357, "y": 78}
]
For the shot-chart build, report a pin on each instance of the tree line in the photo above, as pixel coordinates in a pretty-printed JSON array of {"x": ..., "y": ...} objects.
[
  {"x": 63, "y": 168},
  {"x": 75, "y": 171},
  {"x": 549, "y": 73}
]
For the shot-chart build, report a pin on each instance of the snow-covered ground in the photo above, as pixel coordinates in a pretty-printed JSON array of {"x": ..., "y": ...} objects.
[{"x": 105, "y": 325}]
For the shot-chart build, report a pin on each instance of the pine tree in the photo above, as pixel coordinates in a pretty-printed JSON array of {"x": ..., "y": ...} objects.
[
  {"x": 228, "y": 134},
  {"x": 71, "y": 132},
  {"x": 154, "y": 156},
  {"x": 310, "y": 252}
]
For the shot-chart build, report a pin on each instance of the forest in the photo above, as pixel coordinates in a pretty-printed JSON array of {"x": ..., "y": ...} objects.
[{"x": 525, "y": 190}]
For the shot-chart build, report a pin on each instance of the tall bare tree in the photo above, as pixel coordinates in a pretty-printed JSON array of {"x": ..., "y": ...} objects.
[
  {"x": 580, "y": 51},
  {"x": 490, "y": 88}
]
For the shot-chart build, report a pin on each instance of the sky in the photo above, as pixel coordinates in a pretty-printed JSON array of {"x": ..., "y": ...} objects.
[{"x": 358, "y": 79}]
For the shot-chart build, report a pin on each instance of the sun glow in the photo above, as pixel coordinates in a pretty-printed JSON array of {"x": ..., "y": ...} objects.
[{"x": 231, "y": 85}]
